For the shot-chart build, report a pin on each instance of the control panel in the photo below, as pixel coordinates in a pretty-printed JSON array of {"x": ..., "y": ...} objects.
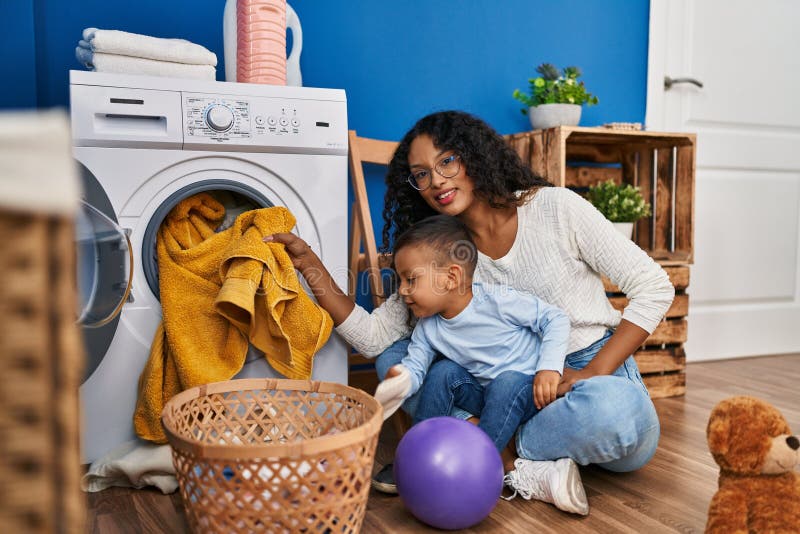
[
  {"x": 217, "y": 118},
  {"x": 117, "y": 110},
  {"x": 223, "y": 119},
  {"x": 263, "y": 123}
]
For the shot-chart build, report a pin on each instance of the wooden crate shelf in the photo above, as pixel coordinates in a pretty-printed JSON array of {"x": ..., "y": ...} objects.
[
  {"x": 662, "y": 360},
  {"x": 662, "y": 165},
  {"x": 656, "y": 361},
  {"x": 665, "y": 385}
]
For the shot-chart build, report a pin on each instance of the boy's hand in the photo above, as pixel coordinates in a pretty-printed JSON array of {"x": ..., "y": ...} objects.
[
  {"x": 394, "y": 371},
  {"x": 545, "y": 386},
  {"x": 393, "y": 390}
]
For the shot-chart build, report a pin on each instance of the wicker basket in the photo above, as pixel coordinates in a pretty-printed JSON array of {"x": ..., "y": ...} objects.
[
  {"x": 270, "y": 455},
  {"x": 42, "y": 359},
  {"x": 41, "y": 349}
]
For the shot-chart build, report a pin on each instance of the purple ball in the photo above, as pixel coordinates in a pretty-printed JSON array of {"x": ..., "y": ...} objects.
[{"x": 448, "y": 473}]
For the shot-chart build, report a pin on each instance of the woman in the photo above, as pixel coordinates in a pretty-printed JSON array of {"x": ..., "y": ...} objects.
[{"x": 544, "y": 240}]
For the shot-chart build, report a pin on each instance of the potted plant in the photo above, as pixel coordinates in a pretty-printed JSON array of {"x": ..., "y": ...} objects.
[
  {"x": 623, "y": 204},
  {"x": 554, "y": 99}
]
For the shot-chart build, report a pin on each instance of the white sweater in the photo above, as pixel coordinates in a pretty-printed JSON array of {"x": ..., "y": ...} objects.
[{"x": 563, "y": 245}]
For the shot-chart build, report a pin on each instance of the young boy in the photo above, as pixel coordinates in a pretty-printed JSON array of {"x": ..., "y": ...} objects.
[{"x": 509, "y": 346}]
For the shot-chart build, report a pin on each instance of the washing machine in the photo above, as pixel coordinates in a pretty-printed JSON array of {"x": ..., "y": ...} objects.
[{"x": 144, "y": 144}]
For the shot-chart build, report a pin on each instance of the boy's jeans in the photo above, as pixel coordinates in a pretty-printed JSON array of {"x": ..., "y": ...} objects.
[
  {"x": 606, "y": 420},
  {"x": 502, "y": 404}
]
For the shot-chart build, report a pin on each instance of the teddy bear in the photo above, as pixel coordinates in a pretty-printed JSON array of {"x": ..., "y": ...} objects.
[{"x": 759, "y": 491}]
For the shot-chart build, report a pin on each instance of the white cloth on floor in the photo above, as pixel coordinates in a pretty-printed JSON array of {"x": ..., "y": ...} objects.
[
  {"x": 102, "y": 62},
  {"x": 391, "y": 392},
  {"x": 144, "y": 46},
  {"x": 134, "y": 464}
]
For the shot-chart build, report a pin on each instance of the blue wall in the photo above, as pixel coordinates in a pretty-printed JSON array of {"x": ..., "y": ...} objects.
[
  {"x": 17, "y": 44},
  {"x": 396, "y": 60}
]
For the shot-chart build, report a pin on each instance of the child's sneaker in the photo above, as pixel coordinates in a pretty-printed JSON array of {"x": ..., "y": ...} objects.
[
  {"x": 383, "y": 480},
  {"x": 557, "y": 482}
]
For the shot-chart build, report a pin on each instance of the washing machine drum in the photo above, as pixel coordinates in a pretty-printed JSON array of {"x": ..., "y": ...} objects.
[{"x": 235, "y": 197}]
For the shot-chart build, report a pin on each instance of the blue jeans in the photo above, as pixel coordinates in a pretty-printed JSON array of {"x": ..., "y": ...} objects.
[
  {"x": 391, "y": 357},
  {"x": 502, "y": 404},
  {"x": 606, "y": 420}
]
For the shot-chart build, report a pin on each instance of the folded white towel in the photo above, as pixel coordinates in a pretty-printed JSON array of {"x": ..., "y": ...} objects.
[
  {"x": 144, "y": 46},
  {"x": 134, "y": 464},
  {"x": 101, "y": 62},
  {"x": 84, "y": 55}
]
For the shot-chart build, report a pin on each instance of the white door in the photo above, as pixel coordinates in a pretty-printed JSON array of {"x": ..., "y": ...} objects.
[{"x": 745, "y": 283}]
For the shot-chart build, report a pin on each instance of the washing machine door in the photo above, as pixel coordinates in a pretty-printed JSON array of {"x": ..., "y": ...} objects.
[
  {"x": 104, "y": 270},
  {"x": 104, "y": 265}
]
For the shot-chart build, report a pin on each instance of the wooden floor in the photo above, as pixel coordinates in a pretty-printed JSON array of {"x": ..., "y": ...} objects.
[{"x": 670, "y": 494}]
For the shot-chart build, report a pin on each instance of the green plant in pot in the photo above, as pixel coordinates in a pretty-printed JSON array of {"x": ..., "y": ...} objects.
[
  {"x": 554, "y": 98},
  {"x": 622, "y": 204}
]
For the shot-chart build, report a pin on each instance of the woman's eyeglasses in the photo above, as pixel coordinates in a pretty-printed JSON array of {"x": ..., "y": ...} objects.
[{"x": 448, "y": 167}]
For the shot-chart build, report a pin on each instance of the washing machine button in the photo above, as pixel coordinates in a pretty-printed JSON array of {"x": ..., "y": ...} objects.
[{"x": 219, "y": 118}]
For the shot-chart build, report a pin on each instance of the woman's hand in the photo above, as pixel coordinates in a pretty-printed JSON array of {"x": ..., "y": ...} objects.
[
  {"x": 319, "y": 280},
  {"x": 299, "y": 252},
  {"x": 569, "y": 378},
  {"x": 626, "y": 339}
]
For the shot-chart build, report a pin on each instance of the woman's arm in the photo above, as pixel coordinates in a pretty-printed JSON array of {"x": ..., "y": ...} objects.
[
  {"x": 643, "y": 281},
  {"x": 319, "y": 280},
  {"x": 368, "y": 333},
  {"x": 626, "y": 339}
]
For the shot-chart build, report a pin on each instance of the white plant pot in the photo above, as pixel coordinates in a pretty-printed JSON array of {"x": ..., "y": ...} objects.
[
  {"x": 551, "y": 115},
  {"x": 625, "y": 229}
]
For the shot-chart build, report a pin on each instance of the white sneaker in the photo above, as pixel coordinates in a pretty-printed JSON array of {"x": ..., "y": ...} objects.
[{"x": 557, "y": 482}]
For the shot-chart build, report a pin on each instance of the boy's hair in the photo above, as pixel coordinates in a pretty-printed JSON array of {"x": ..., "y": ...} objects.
[{"x": 447, "y": 238}]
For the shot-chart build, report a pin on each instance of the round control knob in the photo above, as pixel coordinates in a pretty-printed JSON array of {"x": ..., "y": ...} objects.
[{"x": 219, "y": 118}]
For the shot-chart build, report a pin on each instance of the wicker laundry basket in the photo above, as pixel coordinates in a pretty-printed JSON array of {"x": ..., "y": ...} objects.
[
  {"x": 41, "y": 349},
  {"x": 273, "y": 455}
]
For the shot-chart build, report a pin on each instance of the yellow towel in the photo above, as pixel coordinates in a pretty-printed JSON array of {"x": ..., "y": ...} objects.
[{"x": 220, "y": 292}]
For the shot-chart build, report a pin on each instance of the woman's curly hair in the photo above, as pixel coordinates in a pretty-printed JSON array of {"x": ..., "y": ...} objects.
[{"x": 496, "y": 170}]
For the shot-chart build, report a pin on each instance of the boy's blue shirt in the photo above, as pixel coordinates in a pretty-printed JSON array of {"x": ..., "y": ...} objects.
[{"x": 501, "y": 329}]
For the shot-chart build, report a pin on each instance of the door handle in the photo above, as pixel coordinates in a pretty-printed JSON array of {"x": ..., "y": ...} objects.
[{"x": 669, "y": 82}]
